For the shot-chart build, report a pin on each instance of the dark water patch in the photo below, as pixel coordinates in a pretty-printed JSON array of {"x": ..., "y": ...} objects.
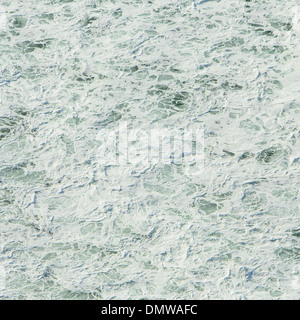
[
  {"x": 207, "y": 206},
  {"x": 47, "y": 16},
  {"x": 7, "y": 124},
  {"x": 289, "y": 253},
  {"x": 246, "y": 156},
  {"x": 88, "y": 21},
  {"x": 177, "y": 102},
  {"x": 231, "y": 86},
  {"x": 158, "y": 90},
  {"x": 113, "y": 117},
  {"x": 281, "y": 26},
  {"x": 296, "y": 233},
  {"x": 117, "y": 13},
  {"x": 253, "y": 200},
  {"x": 274, "y": 49},
  {"x": 19, "y": 22},
  {"x": 232, "y": 43},
  {"x": 269, "y": 155},
  {"x": 29, "y": 46},
  {"x": 85, "y": 78}
]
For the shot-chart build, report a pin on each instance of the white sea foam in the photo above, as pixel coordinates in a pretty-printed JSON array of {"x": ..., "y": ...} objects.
[{"x": 75, "y": 225}]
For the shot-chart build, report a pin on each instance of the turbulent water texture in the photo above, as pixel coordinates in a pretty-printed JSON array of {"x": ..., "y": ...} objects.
[{"x": 71, "y": 228}]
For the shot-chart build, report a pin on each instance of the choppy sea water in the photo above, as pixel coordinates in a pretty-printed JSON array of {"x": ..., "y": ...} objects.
[{"x": 73, "y": 228}]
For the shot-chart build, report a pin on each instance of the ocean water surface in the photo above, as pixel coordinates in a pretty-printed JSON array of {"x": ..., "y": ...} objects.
[{"x": 73, "y": 226}]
